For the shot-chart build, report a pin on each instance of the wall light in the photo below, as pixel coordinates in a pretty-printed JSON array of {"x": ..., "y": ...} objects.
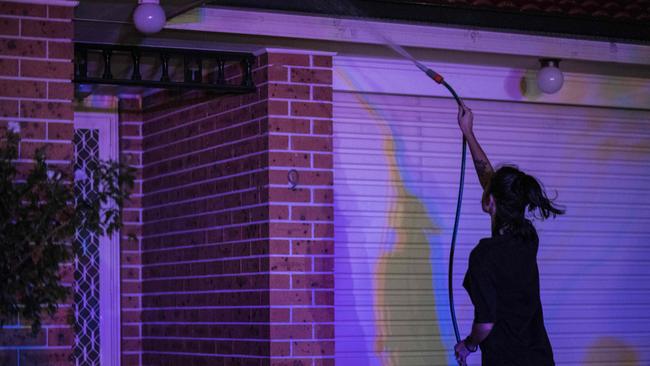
[
  {"x": 149, "y": 16},
  {"x": 550, "y": 77}
]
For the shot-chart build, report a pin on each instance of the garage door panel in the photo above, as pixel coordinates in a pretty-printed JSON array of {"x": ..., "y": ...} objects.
[{"x": 396, "y": 164}]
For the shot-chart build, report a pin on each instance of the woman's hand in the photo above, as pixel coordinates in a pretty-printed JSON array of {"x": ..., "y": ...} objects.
[
  {"x": 465, "y": 119},
  {"x": 461, "y": 352}
]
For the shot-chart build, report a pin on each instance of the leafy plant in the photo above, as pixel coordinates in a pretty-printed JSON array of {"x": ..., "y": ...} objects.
[{"x": 39, "y": 214}]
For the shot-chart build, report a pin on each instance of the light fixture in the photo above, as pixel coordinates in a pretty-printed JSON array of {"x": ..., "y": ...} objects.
[
  {"x": 149, "y": 16},
  {"x": 550, "y": 77}
]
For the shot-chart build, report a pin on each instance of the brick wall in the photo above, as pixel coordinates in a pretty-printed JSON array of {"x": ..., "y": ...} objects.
[
  {"x": 301, "y": 247},
  {"x": 130, "y": 133},
  {"x": 236, "y": 267},
  {"x": 36, "y": 92},
  {"x": 204, "y": 238}
]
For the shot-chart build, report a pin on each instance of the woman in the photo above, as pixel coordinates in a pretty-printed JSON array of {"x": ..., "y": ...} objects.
[{"x": 502, "y": 278}]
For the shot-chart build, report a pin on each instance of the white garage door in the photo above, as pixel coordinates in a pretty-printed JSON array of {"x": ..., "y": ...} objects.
[{"x": 397, "y": 163}]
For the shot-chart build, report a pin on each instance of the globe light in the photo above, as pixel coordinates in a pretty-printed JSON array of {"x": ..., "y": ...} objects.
[
  {"x": 149, "y": 17},
  {"x": 550, "y": 78}
]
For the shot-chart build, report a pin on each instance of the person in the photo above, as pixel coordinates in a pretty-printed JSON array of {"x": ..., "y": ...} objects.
[{"x": 502, "y": 277}]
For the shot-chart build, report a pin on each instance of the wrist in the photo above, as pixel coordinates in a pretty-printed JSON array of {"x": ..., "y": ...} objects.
[{"x": 471, "y": 346}]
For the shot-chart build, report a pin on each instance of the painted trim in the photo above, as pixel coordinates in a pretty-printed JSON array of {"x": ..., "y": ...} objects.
[
  {"x": 275, "y": 24},
  {"x": 48, "y": 2},
  {"x": 389, "y": 76},
  {"x": 293, "y": 52}
]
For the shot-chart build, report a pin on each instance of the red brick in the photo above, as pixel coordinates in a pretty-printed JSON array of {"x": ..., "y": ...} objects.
[
  {"x": 21, "y": 47},
  {"x": 8, "y": 108},
  {"x": 312, "y": 247},
  {"x": 29, "y": 10},
  {"x": 46, "y": 29},
  {"x": 273, "y": 246},
  {"x": 289, "y": 195},
  {"x": 9, "y": 27},
  {"x": 323, "y": 264},
  {"x": 130, "y": 360},
  {"x": 289, "y": 159},
  {"x": 288, "y": 59},
  {"x": 324, "y": 298},
  {"x": 60, "y": 337},
  {"x": 306, "y": 177},
  {"x": 322, "y": 93},
  {"x": 311, "y": 76},
  {"x": 320, "y": 280},
  {"x": 8, "y": 67},
  {"x": 62, "y": 50},
  {"x": 323, "y": 231},
  {"x": 53, "y": 110},
  {"x": 20, "y": 337},
  {"x": 32, "y": 130},
  {"x": 278, "y": 107},
  {"x": 312, "y": 213},
  {"x": 289, "y": 91},
  {"x": 290, "y": 331},
  {"x": 54, "y": 151},
  {"x": 22, "y": 89},
  {"x": 290, "y": 264},
  {"x": 322, "y": 61},
  {"x": 278, "y": 142},
  {"x": 311, "y": 315},
  {"x": 46, "y": 69},
  {"x": 323, "y": 161},
  {"x": 60, "y": 90},
  {"x": 60, "y": 131},
  {"x": 303, "y": 297},
  {"x": 324, "y": 362},
  {"x": 60, "y": 12},
  {"x": 279, "y": 315},
  {"x": 277, "y": 73},
  {"x": 311, "y": 143},
  {"x": 280, "y": 349},
  {"x": 323, "y": 196},
  {"x": 278, "y": 212},
  {"x": 51, "y": 357},
  {"x": 308, "y": 109},
  {"x": 317, "y": 348},
  {"x": 289, "y": 125},
  {"x": 278, "y": 229},
  {"x": 323, "y": 127}
]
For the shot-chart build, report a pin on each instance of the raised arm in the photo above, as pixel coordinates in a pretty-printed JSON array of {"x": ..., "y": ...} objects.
[{"x": 482, "y": 164}]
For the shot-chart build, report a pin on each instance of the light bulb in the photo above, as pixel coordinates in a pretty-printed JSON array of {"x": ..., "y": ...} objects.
[
  {"x": 550, "y": 78},
  {"x": 149, "y": 17}
]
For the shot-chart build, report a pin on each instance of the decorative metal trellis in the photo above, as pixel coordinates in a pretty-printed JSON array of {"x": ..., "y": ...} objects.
[
  {"x": 194, "y": 63},
  {"x": 86, "y": 271}
]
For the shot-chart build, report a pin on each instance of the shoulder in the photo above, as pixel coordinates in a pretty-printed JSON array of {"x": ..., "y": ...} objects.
[{"x": 482, "y": 250}]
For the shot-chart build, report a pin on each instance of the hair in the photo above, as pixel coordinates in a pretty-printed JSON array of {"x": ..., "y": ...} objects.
[{"x": 515, "y": 193}]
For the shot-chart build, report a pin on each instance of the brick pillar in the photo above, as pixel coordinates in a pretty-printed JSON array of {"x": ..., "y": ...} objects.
[
  {"x": 301, "y": 250},
  {"x": 130, "y": 132},
  {"x": 36, "y": 93}
]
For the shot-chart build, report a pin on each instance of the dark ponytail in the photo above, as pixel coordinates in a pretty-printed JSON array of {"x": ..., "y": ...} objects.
[
  {"x": 537, "y": 200},
  {"x": 515, "y": 193}
]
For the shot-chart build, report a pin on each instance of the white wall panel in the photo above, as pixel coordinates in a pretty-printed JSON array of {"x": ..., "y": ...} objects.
[{"x": 397, "y": 162}]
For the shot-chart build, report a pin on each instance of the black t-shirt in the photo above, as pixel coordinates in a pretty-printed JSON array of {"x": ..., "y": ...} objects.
[{"x": 503, "y": 282}]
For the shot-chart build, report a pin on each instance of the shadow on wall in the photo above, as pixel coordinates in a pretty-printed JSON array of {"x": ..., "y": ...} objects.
[
  {"x": 407, "y": 328},
  {"x": 611, "y": 351}
]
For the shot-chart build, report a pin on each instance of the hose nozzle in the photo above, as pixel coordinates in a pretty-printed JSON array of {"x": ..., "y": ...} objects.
[{"x": 432, "y": 74}]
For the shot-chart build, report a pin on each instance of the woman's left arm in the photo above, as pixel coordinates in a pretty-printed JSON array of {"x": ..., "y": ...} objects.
[{"x": 480, "y": 331}]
